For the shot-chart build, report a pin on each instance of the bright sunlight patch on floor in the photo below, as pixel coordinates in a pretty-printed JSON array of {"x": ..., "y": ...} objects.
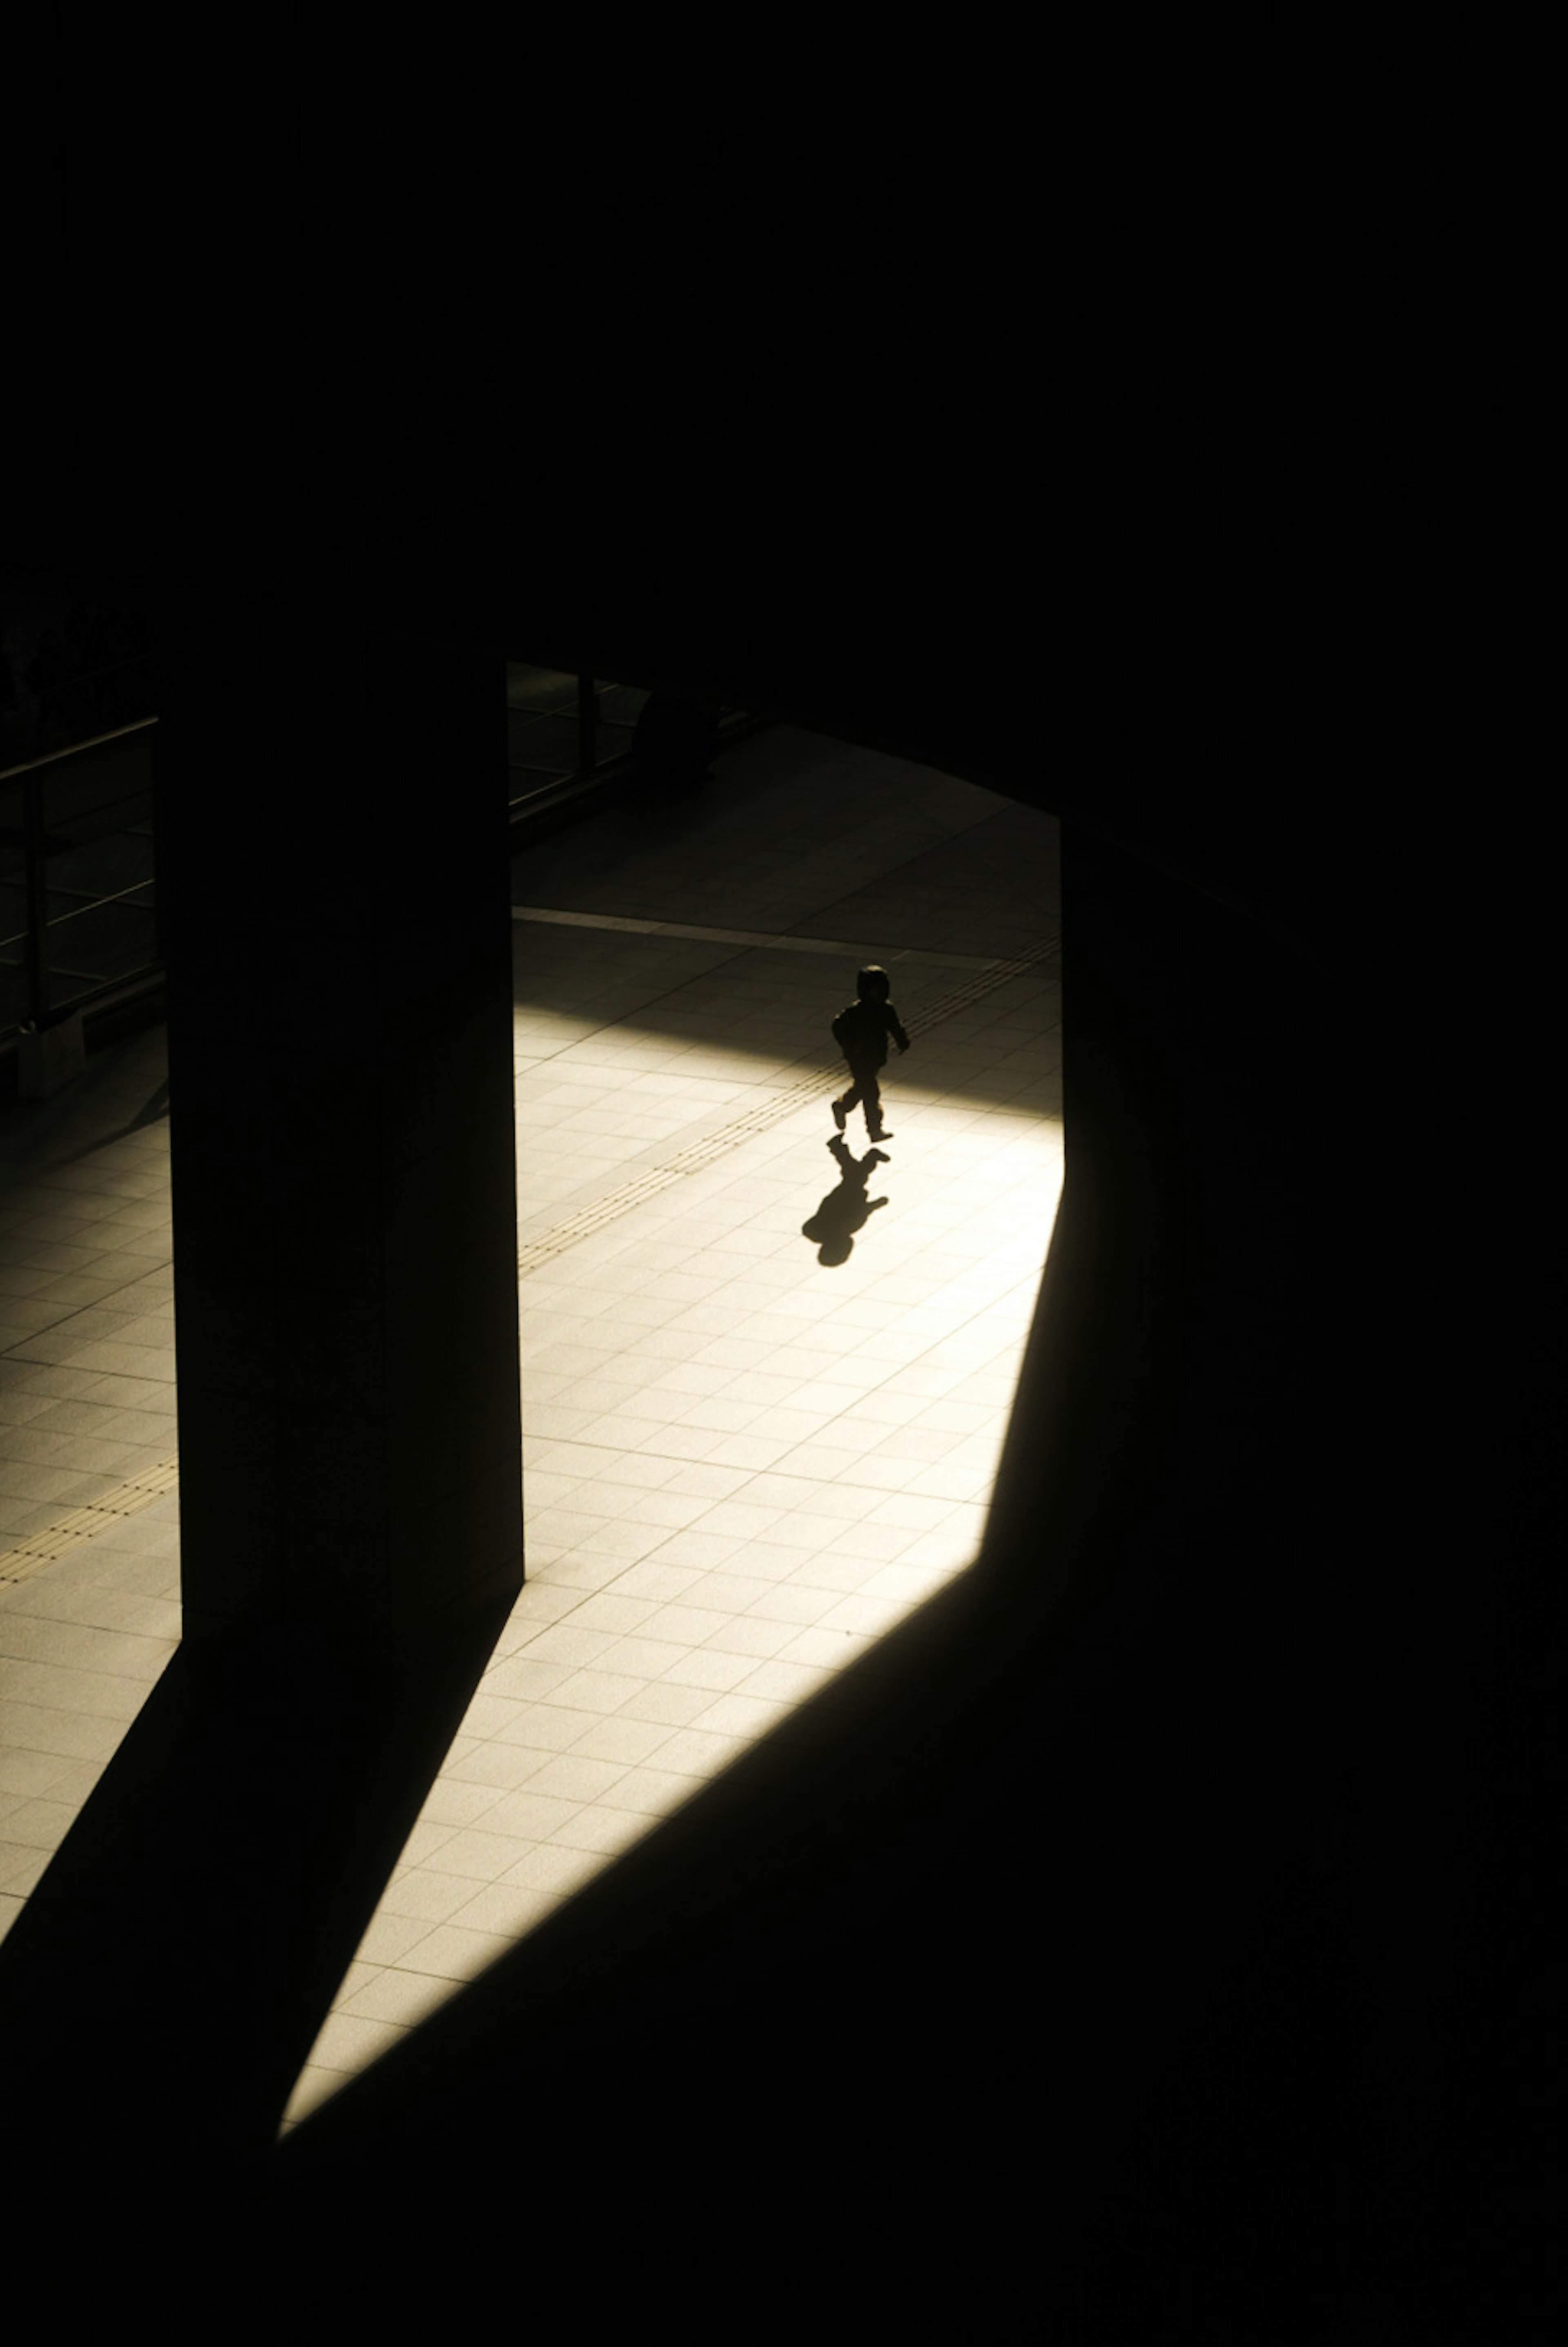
[{"x": 742, "y": 1463}]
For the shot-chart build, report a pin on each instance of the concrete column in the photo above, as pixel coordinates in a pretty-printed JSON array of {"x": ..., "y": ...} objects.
[
  {"x": 1204, "y": 1414},
  {"x": 333, "y": 877}
]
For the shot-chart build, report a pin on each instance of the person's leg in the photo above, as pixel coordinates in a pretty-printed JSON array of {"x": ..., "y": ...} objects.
[
  {"x": 846, "y": 1101},
  {"x": 871, "y": 1093}
]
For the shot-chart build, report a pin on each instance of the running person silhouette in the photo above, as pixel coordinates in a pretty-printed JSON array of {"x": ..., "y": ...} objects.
[{"x": 861, "y": 1030}]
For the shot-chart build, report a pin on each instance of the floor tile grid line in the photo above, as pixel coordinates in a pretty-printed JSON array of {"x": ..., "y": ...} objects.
[
  {"x": 781, "y": 1101},
  {"x": 85, "y": 1522},
  {"x": 100, "y": 1304},
  {"x": 752, "y": 939},
  {"x": 138, "y": 1492},
  {"x": 990, "y": 976},
  {"x": 589, "y": 1596}
]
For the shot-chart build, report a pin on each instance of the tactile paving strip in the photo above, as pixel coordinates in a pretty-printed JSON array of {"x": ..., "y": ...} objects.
[
  {"x": 85, "y": 1523},
  {"x": 779, "y": 1102}
]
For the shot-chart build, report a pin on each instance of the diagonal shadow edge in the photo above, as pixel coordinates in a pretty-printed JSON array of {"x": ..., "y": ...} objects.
[
  {"x": 875, "y": 1972},
  {"x": 235, "y": 1898},
  {"x": 180, "y": 1769},
  {"x": 153, "y": 1109},
  {"x": 224, "y": 1867},
  {"x": 895, "y": 1739}
]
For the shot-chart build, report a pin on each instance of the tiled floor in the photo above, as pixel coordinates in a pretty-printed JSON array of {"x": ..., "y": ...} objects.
[
  {"x": 89, "y": 1596},
  {"x": 741, "y": 1461}
]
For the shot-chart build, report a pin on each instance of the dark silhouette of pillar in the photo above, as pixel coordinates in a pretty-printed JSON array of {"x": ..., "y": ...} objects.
[{"x": 333, "y": 876}]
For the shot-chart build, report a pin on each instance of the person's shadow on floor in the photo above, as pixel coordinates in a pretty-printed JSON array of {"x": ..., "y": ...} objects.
[{"x": 843, "y": 1211}]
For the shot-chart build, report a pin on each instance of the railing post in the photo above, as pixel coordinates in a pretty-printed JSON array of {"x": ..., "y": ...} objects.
[
  {"x": 38, "y": 900},
  {"x": 158, "y": 937}
]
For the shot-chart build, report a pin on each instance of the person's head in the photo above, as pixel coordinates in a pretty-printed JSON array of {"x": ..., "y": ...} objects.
[{"x": 874, "y": 985}]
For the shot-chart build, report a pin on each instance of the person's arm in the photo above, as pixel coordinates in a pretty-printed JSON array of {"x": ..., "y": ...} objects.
[{"x": 898, "y": 1035}]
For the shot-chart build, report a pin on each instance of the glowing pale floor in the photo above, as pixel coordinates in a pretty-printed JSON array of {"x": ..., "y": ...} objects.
[{"x": 740, "y": 1462}]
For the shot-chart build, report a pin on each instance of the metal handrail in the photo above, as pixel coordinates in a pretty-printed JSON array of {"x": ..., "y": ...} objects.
[
  {"x": 557, "y": 795},
  {"x": 30, "y": 779},
  {"x": 74, "y": 749},
  {"x": 115, "y": 897}
]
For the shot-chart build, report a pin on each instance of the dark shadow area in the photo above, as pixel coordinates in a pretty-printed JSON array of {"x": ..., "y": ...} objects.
[
  {"x": 1018, "y": 2005},
  {"x": 933, "y": 866},
  {"x": 42, "y": 1132},
  {"x": 1009, "y": 1970},
  {"x": 1047, "y": 1990},
  {"x": 848, "y": 1209},
  {"x": 689, "y": 988},
  {"x": 1015, "y": 1928},
  {"x": 918, "y": 860},
  {"x": 152, "y": 1109},
  {"x": 198, "y": 1917},
  {"x": 67, "y": 673}
]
